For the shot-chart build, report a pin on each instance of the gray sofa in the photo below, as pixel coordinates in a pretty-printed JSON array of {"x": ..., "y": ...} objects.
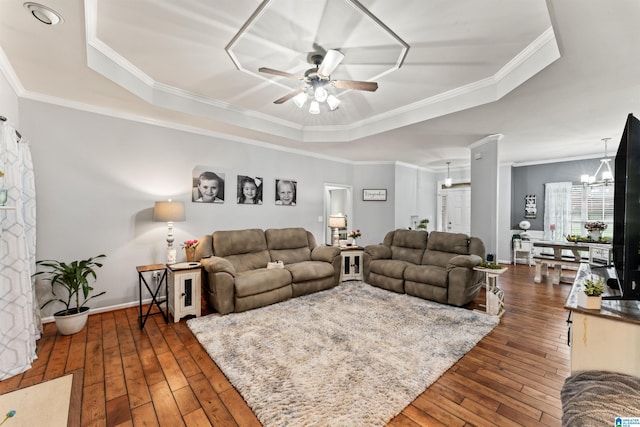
[
  {"x": 437, "y": 266},
  {"x": 235, "y": 262}
]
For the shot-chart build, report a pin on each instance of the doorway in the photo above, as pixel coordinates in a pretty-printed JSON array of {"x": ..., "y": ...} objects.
[
  {"x": 454, "y": 208},
  {"x": 338, "y": 199}
]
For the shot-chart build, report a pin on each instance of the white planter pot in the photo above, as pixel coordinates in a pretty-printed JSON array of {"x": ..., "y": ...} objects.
[
  {"x": 72, "y": 323},
  {"x": 595, "y": 235},
  {"x": 591, "y": 303}
]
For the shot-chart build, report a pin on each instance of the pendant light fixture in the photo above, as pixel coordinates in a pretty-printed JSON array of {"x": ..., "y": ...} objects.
[
  {"x": 607, "y": 175},
  {"x": 448, "y": 182}
]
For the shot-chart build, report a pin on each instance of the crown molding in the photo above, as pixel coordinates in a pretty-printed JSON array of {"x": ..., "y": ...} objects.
[{"x": 104, "y": 60}]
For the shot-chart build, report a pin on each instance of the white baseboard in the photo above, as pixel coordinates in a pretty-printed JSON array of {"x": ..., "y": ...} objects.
[{"x": 105, "y": 309}]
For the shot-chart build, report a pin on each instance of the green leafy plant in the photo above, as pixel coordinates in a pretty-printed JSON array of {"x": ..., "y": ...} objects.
[
  {"x": 490, "y": 265},
  {"x": 594, "y": 288},
  {"x": 422, "y": 225},
  {"x": 74, "y": 279}
]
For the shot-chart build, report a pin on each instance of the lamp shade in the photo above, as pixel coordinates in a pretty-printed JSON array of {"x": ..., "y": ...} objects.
[
  {"x": 337, "y": 221},
  {"x": 168, "y": 211}
]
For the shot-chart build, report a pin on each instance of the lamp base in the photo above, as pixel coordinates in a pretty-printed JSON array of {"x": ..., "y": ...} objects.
[
  {"x": 336, "y": 237},
  {"x": 171, "y": 256}
]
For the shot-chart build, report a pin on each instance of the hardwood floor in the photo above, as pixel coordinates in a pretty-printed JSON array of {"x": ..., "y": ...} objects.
[{"x": 161, "y": 375}]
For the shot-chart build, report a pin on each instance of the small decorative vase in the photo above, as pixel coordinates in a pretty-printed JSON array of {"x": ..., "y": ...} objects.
[
  {"x": 191, "y": 254},
  {"x": 3, "y": 196},
  {"x": 353, "y": 242},
  {"x": 595, "y": 235}
]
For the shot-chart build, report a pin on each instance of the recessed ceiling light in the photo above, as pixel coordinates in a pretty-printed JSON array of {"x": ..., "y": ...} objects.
[{"x": 43, "y": 14}]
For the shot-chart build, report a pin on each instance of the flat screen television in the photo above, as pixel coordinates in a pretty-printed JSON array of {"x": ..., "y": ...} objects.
[{"x": 626, "y": 212}]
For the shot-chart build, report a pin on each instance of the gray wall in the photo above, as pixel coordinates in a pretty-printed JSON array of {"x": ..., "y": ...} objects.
[
  {"x": 374, "y": 219},
  {"x": 531, "y": 179},
  {"x": 8, "y": 102},
  {"x": 504, "y": 214},
  {"x": 97, "y": 178},
  {"x": 484, "y": 192}
]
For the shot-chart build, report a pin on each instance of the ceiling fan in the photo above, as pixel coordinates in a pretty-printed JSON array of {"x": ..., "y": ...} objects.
[{"x": 318, "y": 77}]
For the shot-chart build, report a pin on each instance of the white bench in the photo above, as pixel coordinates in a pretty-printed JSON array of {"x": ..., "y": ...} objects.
[{"x": 544, "y": 262}]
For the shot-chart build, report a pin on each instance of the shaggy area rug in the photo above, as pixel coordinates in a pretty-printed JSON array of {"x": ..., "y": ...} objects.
[{"x": 351, "y": 355}]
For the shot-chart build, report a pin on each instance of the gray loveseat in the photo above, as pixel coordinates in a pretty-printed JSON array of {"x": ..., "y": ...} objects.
[
  {"x": 235, "y": 262},
  {"x": 437, "y": 266}
]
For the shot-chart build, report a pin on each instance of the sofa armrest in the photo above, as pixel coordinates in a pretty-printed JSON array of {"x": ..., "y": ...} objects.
[
  {"x": 378, "y": 251},
  {"x": 325, "y": 253},
  {"x": 465, "y": 261},
  {"x": 464, "y": 281},
  {"x": 216, "y": 264}
]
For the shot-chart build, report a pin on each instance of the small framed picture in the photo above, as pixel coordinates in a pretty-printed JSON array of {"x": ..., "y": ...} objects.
[
  {"x": 374, "y": 194},
  {"x": 207, "y": 186},
  {"x": 286, "y": 192},
  {"x": 249, "y": 190}
]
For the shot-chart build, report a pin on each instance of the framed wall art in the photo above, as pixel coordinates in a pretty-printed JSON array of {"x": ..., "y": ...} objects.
[
  {"x": 286, "y": 192},
  {"x": 249, "y": 190},
  {"x": 530, "y": 208},
  {"x": 207, "y": 186},
  {"x": 374, "y": 194}
]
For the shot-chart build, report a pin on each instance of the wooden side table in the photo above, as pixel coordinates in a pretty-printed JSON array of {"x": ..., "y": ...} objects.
[
  {"x": 352, "y": 257},
  {"x": 184, "y": 289},
  {"x": 494, "y": 298},
  {"x": 155, "y": 293}
]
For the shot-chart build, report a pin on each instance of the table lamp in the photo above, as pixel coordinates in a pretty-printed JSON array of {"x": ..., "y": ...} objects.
[
  {"x": 169, "y": 212},
  {"x": 337, "y": 222}
]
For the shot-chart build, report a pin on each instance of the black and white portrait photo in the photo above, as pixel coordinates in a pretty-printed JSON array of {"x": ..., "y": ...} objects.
[
  {"x": 249, "y": 190},
  {"x": 286, "y": 192},
  {"x": 208, "y": 187}
]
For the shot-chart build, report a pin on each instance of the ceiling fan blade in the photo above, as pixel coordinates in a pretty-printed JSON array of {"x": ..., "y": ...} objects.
[
  {"x": 288, "y": 96},
  {"x": 279, "y": 73},
  {"x": 351, "y": 84},
  {"x": 331, "y": 60}
]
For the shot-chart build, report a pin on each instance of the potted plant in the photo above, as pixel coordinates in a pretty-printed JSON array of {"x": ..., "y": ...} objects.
[
  {"x": 73, "y": 278},
  {"x": 593, "y": 290},
  {"x": 595, "y": 229},
  {"x": 422, "y": 225}
]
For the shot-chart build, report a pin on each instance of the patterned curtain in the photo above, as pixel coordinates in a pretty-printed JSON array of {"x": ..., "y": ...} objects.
[
  {"x": 20, "y": 324},
  {"x": 557, "y": 210}
]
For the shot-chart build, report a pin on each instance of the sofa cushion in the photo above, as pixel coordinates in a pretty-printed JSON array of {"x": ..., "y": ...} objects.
[
  {"x": 237, "y": 242},
  {"x": 437, "y": 258},
  {"x": 408, "y": 245},
  {"x": 261, "y": 280},
  {"x": 429, "y": 274},
  {"x": 388, "y": 267},
  {"x": 457, "y": 243},
  {"x": 244, "y": 249},
  {"x": 289, "y": 245},
  {"x": 309, "y": 270}
]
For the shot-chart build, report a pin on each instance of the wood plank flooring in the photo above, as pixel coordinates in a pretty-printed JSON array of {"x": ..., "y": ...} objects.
[{"x": 161, "y": 376}]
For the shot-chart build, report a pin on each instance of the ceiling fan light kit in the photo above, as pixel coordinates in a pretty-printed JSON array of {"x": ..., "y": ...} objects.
[{"x": 316, "y": 79}]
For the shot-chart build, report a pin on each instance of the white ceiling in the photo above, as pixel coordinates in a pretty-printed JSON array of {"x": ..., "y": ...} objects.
[{"x": 552, "y": 77}]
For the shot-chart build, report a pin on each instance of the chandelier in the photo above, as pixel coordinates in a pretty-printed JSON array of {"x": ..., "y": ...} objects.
[{"x": 607, "y": 175}]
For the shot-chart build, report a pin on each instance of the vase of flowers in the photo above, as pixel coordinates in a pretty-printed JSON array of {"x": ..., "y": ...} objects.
[
  {"x": 595, "y": 229},
  {"x": 353, "y": 235},
  {"x": 190, "y": 249}
]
